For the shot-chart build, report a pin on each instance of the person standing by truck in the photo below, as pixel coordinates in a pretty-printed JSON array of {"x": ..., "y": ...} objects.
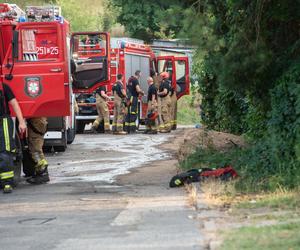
[
  {"x": 119, "y": 106},
  {"x": 134, "y": 90},
  {"x": 165, "y": 102},
  {"x": 152, "y": 114},
  {"x": 173, "y": 108},
  {"x": 102, "y": 109},
  {"x": 37, "y": 127},
  {"x": 7, "y": 137}
]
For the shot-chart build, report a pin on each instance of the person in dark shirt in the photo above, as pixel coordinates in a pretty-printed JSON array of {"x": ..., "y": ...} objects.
[
  {"x": 165, "y": 102},
  {"x": 7, "y": 98},
  {"x": 152, "y": 114},
  {"x": 119, "y": 108},
  {"x": 102, "y": 109},
  {"x": 11, "y": 100},
  {"x": 134, "y": 90}
]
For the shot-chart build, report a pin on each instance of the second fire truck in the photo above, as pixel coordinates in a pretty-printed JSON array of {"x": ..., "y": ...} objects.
[{"x": 97, "y": 59}]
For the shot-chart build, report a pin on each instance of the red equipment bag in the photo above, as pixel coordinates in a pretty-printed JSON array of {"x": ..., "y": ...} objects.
[
  {"x": 195, "y": 175},
  {"x": 223, "y": 173}
]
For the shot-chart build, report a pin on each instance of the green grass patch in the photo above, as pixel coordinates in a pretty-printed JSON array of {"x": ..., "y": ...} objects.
[
  {"x": 278, "y": 237},
  {"x": 211, "y": 158},
  {"x": 288, "y": 200},
  {"x": 187, "y": 111}
]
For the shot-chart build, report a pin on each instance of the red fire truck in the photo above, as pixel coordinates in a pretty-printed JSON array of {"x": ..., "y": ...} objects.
[
  {"x": 35, "y": 63},
  {"x": 97, "y": 59}
]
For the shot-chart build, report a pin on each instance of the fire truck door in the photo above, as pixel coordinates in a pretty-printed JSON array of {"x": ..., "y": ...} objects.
[
  {"x": 90, "y": 59},
  {"x": 167, "y": 63},
  {"x": 37, "y": 69},
  {"x": 182, "y": 76}
]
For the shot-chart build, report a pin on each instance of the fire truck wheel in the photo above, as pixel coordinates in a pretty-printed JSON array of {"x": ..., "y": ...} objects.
[
  {"x": 80, "y": 125},
  {"x": 70, "y": 135},
  {"x": 18, "y": 160}
]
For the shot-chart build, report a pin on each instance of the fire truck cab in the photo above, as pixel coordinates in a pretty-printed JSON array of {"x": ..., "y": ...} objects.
[
  {"x": 97, "y": 60},
  {"x": 35, "y": 63}
]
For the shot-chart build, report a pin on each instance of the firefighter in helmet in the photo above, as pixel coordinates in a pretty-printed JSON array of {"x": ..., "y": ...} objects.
[
  {"x": 102, "y": 109},
  {"x": 173, "y": 105},
  {"x": 134, "y": 91},
  {"x": 165, "y": 103},
  {"x": 119, "y": 105},
  {"x": 7, "y": 138},
  {"x": 152, "y": 114},
  {"x": 37, "y": 127}
]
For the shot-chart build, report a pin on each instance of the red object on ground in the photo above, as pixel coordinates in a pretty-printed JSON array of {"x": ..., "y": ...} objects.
[{"x": 219, "y": 172}]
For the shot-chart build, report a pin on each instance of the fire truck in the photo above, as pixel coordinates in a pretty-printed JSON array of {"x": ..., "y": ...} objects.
[
  {"x": 97, "y": 59},
  {"x": 35, "y": 63}
]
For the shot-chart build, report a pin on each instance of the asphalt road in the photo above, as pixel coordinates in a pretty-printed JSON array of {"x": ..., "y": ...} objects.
[{"x": 88, "y": 206}]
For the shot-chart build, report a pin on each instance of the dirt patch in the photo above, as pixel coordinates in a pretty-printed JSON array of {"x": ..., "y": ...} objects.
[
  {"x": 211, "y": 213},
  {"x": 162, "y": 171}
]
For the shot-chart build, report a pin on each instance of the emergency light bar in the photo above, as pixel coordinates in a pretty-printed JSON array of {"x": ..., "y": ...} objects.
[
  {"x": 43, "y": 13},
  {"x": 11, "y": 12}
]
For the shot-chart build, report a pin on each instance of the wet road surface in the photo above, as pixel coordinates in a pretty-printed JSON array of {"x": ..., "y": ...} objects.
[{"x": 83, "y": 207}]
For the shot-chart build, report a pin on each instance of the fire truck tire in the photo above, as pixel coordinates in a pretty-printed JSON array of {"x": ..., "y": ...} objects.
[
  {"x": 71, "y": 135},
  {"x": 62, "y": 148},
  {"x": 71, "y": 132},
  {"x": 80, "y": 125},
  {"x": 18, "y": 160}
]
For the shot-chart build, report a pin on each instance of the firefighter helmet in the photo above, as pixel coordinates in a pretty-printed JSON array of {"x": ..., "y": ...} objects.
[{"x": 164, "y": 75}]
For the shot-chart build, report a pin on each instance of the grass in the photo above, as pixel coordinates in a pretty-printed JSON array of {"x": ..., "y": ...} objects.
[
  {"x": 188, "y": 110},
  {"x": 278, "y": 237},
  {"x": 275, "y": 200}
]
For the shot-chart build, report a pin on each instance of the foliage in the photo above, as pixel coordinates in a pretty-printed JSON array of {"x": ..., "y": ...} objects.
[
  {"x": 277, "y": 237},
  {"x": 187, "y": 112},
  {"x": 150, "y": 19}
]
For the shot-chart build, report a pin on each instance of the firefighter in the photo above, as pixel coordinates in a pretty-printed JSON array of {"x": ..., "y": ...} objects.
[
  {"x": 151, "y": 120},
  {"x": 102, "y": 109},
  {"x": 173, "y": 108},
  {"x": 37, "y": 127},
  {"x": 7, "y": 146},
  {"x": 119, "y": 106},
  {"x": 134, "y": 91},
  {"x": 165, "y": 103},
  {"x": 157, "y": 81}
]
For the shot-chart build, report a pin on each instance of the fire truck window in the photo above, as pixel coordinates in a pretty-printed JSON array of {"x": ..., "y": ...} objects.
[
  {"x": 180, "y": 76},
  {"x": 39, "y": 44},
  {"x": 180, "y": 71},
  {"x": 165, "y": 65},
  {"x": 86, "y": 46}
]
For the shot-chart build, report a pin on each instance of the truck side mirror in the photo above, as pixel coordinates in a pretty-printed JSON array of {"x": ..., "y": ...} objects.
[{"x": 15, "y": 43}]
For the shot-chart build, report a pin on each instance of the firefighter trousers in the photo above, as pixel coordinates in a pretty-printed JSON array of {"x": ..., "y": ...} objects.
[
  {"x": 103, "y": 113},
  {"x": 152, "y": 125},
  {"x": 173, "y": 111},
  {"x": 37, "y": 127},
  {"x": 132, "y": 114},
  {"x": 7, "y": 151},
  {"x": 118, "y": 115},
  {"x": 165, "y": 103}
]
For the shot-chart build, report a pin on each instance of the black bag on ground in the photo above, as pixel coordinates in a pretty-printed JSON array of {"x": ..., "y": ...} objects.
[{"x": 28, "y": 162}]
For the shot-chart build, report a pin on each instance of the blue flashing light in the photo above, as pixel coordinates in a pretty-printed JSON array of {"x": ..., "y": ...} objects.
[
  {"x": 59, "y": 19},
  {"x": 22, "y": 19},
  {"x": 123, "y": 45}
]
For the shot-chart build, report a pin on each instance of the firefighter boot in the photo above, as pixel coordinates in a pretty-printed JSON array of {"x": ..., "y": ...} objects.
[
  {"x": 41, "y": 175},
  {"x": 94, "y": 130},
  {"x": 7, "y": 188}
]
